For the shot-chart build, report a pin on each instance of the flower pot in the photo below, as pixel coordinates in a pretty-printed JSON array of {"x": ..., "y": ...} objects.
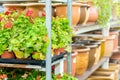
[
  {"x": 38, "y": 9},
  {"x": 116, "y": 34},
  {"x": 61, "y": 11},
  {"x": 58, "y": 51},
  {"x": 93, "y": 13},
  {"x": 115, "y": 41},
  {"x": 95, "y": 50},
  {"x": 92, "y": 54},
  {"x": 11, "y": 7},
  {"x": 82, "y": 59},
  {"x": 98, "y": 50},
  {"x": 74, "y": 55},
  {"x": 7, "y": 55},
  {"x": 83, "y": 14}
]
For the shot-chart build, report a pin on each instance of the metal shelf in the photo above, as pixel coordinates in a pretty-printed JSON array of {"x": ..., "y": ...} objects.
[
  {"x": 90, "y": 71},
  {"x": 17, "y": 1},
  {"x": 29, "y": 66},
  {"x": 87, "y": 28}
]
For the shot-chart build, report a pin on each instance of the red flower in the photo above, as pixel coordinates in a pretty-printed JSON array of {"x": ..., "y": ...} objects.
[
  {"x": 43, "y": 14},
  {"x": 7, "y": 12},
  {"x": 53, "y": 67},
  {"x": 1, "y": 18},
  {"x": 29, "y": 13},
  {"x": 8, "y": 25},
  {"x": 58, "y": 76}
]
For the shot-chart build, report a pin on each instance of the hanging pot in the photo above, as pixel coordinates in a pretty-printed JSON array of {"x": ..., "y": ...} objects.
[{"x": 61, "y": 11}]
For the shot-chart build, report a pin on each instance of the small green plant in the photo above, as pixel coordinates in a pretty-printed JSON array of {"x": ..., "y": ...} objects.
[
  {"x": 61, "y": 33},
  {"x": 104, "y": 11},
  {"x": 20, "y": 74}
]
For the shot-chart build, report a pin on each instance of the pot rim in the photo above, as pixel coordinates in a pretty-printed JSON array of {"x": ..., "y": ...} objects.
[
  {"x": 73, "y": 4},
  {"x": 84, "y": 49},
  {"x": 26, "y": 4},
  {"x": 91, "y": 45}
]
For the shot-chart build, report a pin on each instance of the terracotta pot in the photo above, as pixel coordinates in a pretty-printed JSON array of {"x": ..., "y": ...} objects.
[
  {"x": 74, "y": 55},
  {"x": 92, "y": 54},
  {"x": 115, "y": 42},
  {"x": 115, "y": 56},
  {"x": 18, "y": 7},
  {"x": 61, "y": 11},
  {"x": 93, "y": 13},
  {"x": 82, "y": 59},
  {"x": 58, "y": 51},
  {"x": 83, "y": 14},
  {"x": 7, "y": 55},
  {"x": 116, "y": 34},
  {"x": 38, "y": 10}
]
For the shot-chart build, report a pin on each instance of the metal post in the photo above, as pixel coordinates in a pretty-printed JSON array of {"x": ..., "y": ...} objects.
[
  {"x": 69, "y": 12},
  {"x": 105, "y": 32},
  {"x": 48, "y": 25}
]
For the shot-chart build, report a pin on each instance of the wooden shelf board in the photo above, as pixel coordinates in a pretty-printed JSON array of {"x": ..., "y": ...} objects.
[{"x": 90, "y": 71}]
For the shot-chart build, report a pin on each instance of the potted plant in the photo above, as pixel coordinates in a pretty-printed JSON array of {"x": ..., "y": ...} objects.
[
  {"x": 61, "y": 34},
  {"x": 104, "y": 11},
  {"x": 6, "y": 21},
  {"x": 29, "y": 38}
]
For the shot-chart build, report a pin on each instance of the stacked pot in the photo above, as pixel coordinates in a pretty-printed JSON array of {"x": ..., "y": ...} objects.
[
  {"x": 89, "y": 52},
  {"x": 98, "y": 48}
]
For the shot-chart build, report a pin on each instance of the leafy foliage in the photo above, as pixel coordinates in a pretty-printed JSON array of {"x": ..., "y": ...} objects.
[
  {"x": 61, "y": 33},
  {"x": 104, "y": 10},
  {"x": 20, "y": 74}
]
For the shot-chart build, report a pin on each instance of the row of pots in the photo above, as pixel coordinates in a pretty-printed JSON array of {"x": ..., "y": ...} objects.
[
  {"x": 89, "y": 52},
  {"x": 81, "y": 12}
]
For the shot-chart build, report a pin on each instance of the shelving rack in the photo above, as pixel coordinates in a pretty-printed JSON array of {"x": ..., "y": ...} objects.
[
  {"x": 48, "y": 55},
  {"x": 81, "y": 29}
]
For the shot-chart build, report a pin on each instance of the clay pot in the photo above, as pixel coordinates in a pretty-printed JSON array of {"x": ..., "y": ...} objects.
[
  {"x": 116, "y": 34},
  {"x": 83, "y": 14},
  {"x": 38, "y": 10},
  {"x": 74, "y": 55},
  {"x": 92, "y": 54},
  {"x": 58, "y": 51},
  {"x": 7, "y": 55},
  {"x": 61, "y": 11},
  {"x": 18, "y": 7},
  {"x": 93, "y": 13},
  {"x": 82, "y": 59},
  {"x": 115, "y": 42}
]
